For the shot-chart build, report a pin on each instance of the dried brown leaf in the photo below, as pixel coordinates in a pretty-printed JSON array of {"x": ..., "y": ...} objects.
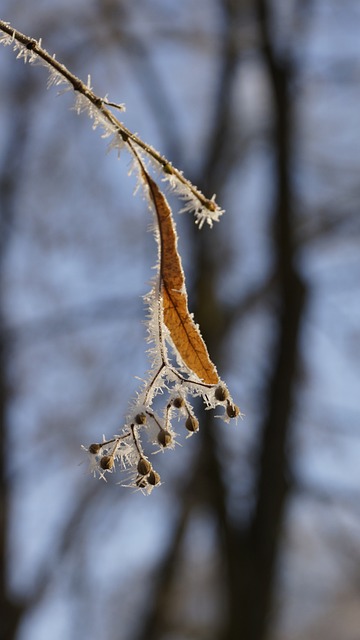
[{"x": 183, "y": 330}]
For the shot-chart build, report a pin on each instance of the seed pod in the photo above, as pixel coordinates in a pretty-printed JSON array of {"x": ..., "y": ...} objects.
[
  {"x": 192, "y": 424},
  {"x": 140, "y": 418},
  {"x": 143, "y": 466},
  {"x": 94, "y": 448},
  {"x": 107, "y": 462},
  {"x": 221, "y": 393},
  {"x": 164, "y": 437},
  {"x": 178, "y": 402},
  {"x": 153, "y": 478},
  {"x": 232, "y": 410}
]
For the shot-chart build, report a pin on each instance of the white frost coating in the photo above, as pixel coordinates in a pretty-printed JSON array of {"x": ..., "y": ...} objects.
[{"x": 191, "y": 202}]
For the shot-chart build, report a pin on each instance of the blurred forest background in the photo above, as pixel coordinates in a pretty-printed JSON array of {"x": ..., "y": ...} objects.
[{"x": 255, "y": 531}]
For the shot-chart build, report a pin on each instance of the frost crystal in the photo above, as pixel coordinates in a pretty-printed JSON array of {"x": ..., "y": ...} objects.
[{"x": 209, "y": 212}]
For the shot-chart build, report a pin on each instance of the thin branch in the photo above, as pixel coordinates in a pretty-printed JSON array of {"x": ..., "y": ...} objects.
[{"x": 32, "y": 50}]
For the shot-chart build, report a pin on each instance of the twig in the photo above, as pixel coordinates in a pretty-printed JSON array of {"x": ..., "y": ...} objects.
[{"x": 30, "y": 49}]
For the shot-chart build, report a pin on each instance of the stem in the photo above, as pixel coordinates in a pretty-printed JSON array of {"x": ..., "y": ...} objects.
[{"x": 136, "y": 441}]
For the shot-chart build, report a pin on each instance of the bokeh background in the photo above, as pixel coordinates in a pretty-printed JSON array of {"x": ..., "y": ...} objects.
[{"x": 254, "y": 533}]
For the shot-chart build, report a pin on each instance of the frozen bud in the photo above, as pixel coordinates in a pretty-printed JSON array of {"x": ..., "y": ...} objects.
[
  {"x": 192, "y": 424},
  {"x": 140, "y": 418},
  {"x": 153, "y": 478},
  {"x": 168, "y": 168},
  {"x": 107, "y": 462},
  {"x": 94, "y": 448},
  {"x": 178, "y": 402},
  {"x": 221, "y": 393},
  {"x": 31, "y": 45},
  {"x": 164, "y": 438},
  {"x": 232, "y": 410},
  {"x": 143, "y": 466}
]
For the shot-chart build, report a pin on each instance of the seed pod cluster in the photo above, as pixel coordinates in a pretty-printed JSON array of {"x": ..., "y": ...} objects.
[{"x": 144, "y": 477}]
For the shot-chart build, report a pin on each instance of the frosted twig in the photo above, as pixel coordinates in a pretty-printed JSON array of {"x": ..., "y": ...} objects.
[{"x": 31, "y": 50}]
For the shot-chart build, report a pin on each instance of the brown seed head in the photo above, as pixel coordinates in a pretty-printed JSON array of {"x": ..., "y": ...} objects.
[
  {"x": 192, "y": 424},
  {"x": 94, "y": 448},
  {"x": 140, "y": 418},
  {"x": 107, "y": 462},
  {"x": 153, "y": 478},
  {"x": 232, "y": 410},
  {"x": 143, "y": 466},
  {"x": 178, "y": 402},
  {"x": 164, "y": 438},
  {"x": 221, "y": 393}
]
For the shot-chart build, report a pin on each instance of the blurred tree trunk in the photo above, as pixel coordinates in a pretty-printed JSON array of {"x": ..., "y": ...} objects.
[
  {"x": 252, "y": 552},
  {"x": 10, "y": 175},
  {"x": 260, "y": 552}
]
